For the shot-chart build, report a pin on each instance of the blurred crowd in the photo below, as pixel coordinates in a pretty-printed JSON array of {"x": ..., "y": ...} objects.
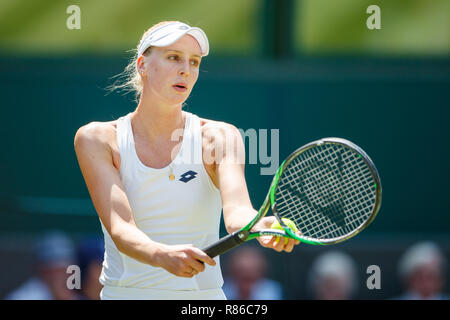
[
  {"x": 54, "y": 253},
  {"x": 332, "y": 275}
]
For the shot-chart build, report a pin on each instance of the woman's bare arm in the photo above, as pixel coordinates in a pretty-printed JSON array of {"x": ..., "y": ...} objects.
[{"x": 224, "y": 142}]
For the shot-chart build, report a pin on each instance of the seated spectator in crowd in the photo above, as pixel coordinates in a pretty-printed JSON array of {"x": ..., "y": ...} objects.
[
  {"x": 247, "y": 276},
  {"x": 90, "y": 259},
  {"x": 421, "y": 270},
  {"x": 333, "y": 277},
  {"x": 54, "y": 252}
]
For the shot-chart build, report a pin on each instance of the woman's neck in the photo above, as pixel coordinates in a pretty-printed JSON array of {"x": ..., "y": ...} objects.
[{"x": 157, "y": 122}]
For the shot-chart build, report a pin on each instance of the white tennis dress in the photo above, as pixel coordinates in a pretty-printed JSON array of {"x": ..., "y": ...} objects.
[{"x": 185, "y": 210}]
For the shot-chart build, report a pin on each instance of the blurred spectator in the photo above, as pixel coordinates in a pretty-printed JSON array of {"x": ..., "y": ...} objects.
[
  {"x": 333, "y": 277},
  {"x": 421, "y": 269},
  {"x": 54, "y": 252},
  {"x": 247, "y": 280},
  {"x": 90, "y": 259}
]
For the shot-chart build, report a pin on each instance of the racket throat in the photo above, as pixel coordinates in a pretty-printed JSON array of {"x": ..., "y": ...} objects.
[
  {"x": 242, "y": 235},
  {"x": 227, "y": 243}
]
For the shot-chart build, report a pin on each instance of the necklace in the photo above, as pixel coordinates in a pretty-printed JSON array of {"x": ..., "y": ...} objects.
[{"x": 171, "y": 175}]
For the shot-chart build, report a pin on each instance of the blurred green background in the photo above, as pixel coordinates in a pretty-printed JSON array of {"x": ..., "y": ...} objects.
[{"x": 310, "y": 68}]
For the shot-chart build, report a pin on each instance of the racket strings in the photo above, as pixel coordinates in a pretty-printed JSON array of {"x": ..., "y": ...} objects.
[
  {"x": 328, "y": 191},
  {"x": 324, "y": 224},
  {"x": 321, "y": 197},
  {"x": 335, "y": 215}
]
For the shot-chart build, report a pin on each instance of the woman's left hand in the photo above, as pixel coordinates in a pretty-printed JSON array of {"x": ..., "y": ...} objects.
[{"x": 276, "y": 243}]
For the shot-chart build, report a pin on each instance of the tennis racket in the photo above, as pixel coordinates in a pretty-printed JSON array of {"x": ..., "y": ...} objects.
[{"x": 329, "y": 188}]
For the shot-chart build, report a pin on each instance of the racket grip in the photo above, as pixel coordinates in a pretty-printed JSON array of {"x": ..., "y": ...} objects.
[{"x": 226, "y": 243}]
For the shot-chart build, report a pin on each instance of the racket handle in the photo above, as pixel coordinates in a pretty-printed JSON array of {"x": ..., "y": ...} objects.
[{"x": 226, "y": 243}]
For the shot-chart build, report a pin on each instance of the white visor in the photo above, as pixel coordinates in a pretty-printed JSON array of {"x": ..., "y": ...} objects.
[{"x": 167, "y": 34}]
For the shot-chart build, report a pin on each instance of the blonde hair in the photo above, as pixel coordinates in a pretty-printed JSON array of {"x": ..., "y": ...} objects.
[{"x": 130, "y": 80}]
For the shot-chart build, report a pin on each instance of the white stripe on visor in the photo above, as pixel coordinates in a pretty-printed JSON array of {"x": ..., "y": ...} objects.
[{"x": 169, "y": 33}]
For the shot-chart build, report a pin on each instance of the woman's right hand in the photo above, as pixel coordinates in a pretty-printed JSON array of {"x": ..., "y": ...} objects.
[{"x": 183, "y": 260}]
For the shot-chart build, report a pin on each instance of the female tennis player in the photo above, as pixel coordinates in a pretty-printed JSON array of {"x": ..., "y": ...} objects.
[{"x": 159, "y": 178}]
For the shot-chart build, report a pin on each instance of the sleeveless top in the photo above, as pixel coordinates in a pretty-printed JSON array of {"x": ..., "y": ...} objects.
[{"x": 185, "y": 210}]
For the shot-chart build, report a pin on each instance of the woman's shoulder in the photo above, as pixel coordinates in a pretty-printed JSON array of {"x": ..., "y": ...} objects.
[
  {"x": 98, "y": 141},
  {"x": 97, "y": 132},
  {"x": 209, "y": 125},
  {"x": 218, "y": 135}
]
